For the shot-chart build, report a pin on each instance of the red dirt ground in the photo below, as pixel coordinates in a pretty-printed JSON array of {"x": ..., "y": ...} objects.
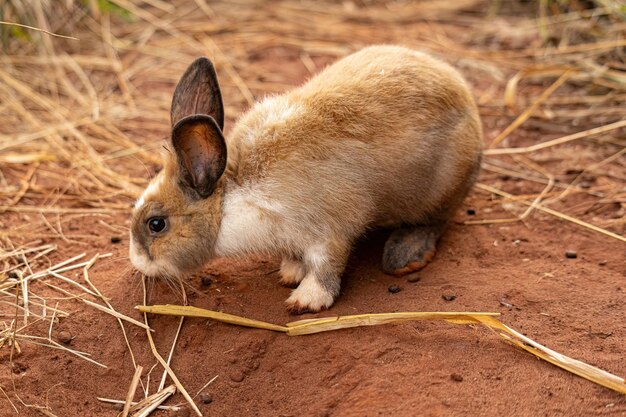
[{"x": 575, "y": 306}]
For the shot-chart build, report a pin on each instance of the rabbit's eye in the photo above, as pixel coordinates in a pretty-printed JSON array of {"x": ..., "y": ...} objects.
[{"x": 157, "y": 225}]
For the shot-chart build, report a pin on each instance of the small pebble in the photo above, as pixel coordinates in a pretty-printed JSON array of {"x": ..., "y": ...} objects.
[
  {"x": 471, "y": 212},
  {"x": 574, "y": 171},
  {"x": 449, "y": 297},
  {"x": 414, "y": 278},
  {"x": 115, "y": 239},
  {"x": 13, "y": 275},
  {"x": 570, "y": 254},
  {"x": 456, "y": 377},
  {"x": 394, "y": 289},
  {"x": 118, "y": 407},
  {"x": 19, "y": 368},
  {"x": 602, "y": 263},
  {"x": 237, "y": 376},
  {"x": 207, "y": 280},
  {"x": 65, "y": 337},
  {"x": 206, "y": 398}
]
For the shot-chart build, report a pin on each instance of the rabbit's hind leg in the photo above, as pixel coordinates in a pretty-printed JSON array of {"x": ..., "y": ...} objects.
[{"x": 411, "y": 248}]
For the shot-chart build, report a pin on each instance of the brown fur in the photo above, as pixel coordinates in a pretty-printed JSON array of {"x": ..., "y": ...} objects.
[{"x": 386, "y": 137}]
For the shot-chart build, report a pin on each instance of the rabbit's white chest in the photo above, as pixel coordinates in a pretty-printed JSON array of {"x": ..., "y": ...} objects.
[{"x": 250, "y": 223}]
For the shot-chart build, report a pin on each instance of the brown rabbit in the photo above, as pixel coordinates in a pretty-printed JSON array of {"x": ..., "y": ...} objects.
[{"x": 385, "y": 138}]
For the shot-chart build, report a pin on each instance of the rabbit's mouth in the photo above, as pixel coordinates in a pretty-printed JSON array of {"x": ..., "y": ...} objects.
[{"x": 158, "y": 268}]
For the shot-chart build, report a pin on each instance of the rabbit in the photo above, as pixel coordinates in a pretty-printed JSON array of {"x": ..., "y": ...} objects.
[{"x": 387, "y": 137}]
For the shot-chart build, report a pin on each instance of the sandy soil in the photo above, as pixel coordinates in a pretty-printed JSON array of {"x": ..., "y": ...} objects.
[{"x": 519, "y": 269}]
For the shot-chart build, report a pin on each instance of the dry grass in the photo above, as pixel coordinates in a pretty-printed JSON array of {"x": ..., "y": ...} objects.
[
  {"x": 82, "y": 120},
  {"x": 326, "y": 324}
]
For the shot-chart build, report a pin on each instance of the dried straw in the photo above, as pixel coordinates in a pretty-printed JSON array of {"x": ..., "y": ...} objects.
[
  {"x": 163, "y": 363},
  {"x": 131, "y": 391},
  {"x": 311, "y": 326},
  {"x": 37, "y": 29}
]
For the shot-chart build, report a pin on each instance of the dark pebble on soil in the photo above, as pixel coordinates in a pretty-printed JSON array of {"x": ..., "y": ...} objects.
[
  {"x": 456, "y": 377},
  {"x": 602, "y": 263},
  {"x": 394, "y": 289},
  {"x": 471, "y": 212},
  {"x": 206, "y": 398},
  {"x": 115, "y": 239},
  {"x": 449, "y": 297},
  {"x": 207, "y": 280},
  {"x": 570, "y": 254},
  {"x": 19, "y": 368},
  {"x": 574, "y": 171},
  {"x": 13, "y": 275},
  {"x": 64, "y": 337}
]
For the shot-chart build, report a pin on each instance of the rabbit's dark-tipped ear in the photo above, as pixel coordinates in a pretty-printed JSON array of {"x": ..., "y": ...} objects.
[
  {"x": 200, "y": 153},
  {"x": 198, "y": 92}
]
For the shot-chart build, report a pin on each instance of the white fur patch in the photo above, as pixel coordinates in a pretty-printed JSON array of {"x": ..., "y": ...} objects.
[
  {"x": 243, "y": 228},
  {"x": 147, "y": 267},
  {"x": 310, "y": 295},
  {"x": 316, "y": 256},
  {"x": 151, "y": 190}
]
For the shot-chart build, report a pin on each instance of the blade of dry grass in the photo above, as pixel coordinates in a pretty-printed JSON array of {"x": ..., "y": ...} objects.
[
  {"x": 559, "y": 141},
  {"x": 574, "y": 366},
  {"x": 121, "y": 402},
  {"x": 178, "y": 329},
  {"x": 553, "y": 212},
  {"x": 9, "y": 400},
  {"x": 54, "y": 345},
  {"x": 145, "y": 407},
  {"x": 312, "y": 326},
  {"x": 190, "y": 311},
  {"x": 131, "y": 390},
  {"x": 38, "y": 30},
  {"x": 106, "y": 301},
  {"x": 529, "y": 111},
  {"x": 118, "y": 315},
  {"x": 163, "y": 363}
]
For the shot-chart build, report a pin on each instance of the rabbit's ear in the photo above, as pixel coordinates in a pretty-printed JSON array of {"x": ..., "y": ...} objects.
[
  {"x": 198, "y": 92},
  {"x": 200, "y": 152}
]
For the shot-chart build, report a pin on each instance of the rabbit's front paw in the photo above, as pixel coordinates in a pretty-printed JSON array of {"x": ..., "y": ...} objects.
[
  {"x": 292, "y": 272},
  {"x": 309, "y": 297}
]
